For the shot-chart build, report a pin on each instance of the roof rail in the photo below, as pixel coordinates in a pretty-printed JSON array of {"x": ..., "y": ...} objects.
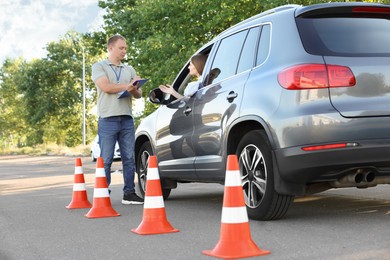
[{"x": 267, "y": 12}]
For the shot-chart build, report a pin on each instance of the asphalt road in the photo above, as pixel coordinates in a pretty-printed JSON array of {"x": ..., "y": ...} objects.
[{"x": 34, "y": 223}]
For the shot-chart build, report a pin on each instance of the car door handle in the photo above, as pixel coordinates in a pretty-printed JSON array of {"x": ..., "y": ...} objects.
[
  {"x": 232, "y": 95},
  {"x": 187, "y": 111}
]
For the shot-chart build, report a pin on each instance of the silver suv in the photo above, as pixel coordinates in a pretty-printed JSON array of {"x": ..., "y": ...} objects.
[{"x": 301, "y": 94}]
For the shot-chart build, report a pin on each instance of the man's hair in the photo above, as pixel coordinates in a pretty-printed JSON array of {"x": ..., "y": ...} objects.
[{"x": 114, "y": 38}]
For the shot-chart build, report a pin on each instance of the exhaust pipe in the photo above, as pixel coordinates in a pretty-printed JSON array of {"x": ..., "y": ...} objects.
[
  {"x": 369, "y": 176},
  {"x": 360, "y": 179}
]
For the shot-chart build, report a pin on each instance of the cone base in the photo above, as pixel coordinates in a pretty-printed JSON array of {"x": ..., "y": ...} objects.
[
  {"x": 238, "y": 251},
  {"x": 79, "y": 205},
  {"x": 79, "y": 200},
  {"x": 154, "y": 228},
  {"x": 235, "y": 242},
  {"x": 102, "y": 213},
  {"x": 102, "y": 209},
  {"x": 154, "y": 221}
]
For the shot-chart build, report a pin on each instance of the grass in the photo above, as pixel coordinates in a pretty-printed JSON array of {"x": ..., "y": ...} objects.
[{"x": 44, "y": 149}]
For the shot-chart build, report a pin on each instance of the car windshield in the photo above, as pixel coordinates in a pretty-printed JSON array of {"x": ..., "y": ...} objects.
[{"x": 343, "y": 36}]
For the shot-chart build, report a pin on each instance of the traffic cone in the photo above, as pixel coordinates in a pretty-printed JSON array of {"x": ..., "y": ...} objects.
[
  {"x": 235, "y": 238},
  {"x": 101, "y": 199},
  {"x": 154, "y": 220},
  {"x": 79, "y": 195}
]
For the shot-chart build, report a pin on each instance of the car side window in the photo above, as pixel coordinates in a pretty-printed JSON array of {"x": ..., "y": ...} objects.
[
  {"x": 228, "y": 54},
  {"x": 262, "y": 51},
  {"x": 248, "y": 52}
]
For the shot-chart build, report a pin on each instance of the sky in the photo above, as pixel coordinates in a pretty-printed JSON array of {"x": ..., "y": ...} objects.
[{"x": 27, "y": 26}]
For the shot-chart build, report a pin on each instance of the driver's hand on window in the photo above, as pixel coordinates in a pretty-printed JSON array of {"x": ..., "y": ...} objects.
[{"x": 167, "y": 89}]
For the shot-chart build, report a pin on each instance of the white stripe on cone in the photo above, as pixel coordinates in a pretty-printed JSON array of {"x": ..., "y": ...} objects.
[
  {"x": 153, "y": 202},
  {"x": 100, "y": 172},
  {"x": 100, "y": 193},
  {"x": 79, "y": 187},
  {"x": 153, "y": 174},
  {"x": 234, "y": 215},
  {"x": 78, "y": 170},
  {"x": 233, "y": 178}
]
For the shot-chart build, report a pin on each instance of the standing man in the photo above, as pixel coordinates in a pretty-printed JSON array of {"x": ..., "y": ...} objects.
[{"x": 112, "y": 78}]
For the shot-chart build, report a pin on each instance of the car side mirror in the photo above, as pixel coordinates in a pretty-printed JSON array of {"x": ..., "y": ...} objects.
[{"x": 156, "y": 96}]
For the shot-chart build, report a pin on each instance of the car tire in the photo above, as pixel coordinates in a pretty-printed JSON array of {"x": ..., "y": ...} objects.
[
  {"x": 256, "y": 169},
  {"x": 142, "y": 169}
]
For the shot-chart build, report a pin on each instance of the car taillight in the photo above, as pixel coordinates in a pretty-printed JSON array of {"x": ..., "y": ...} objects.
[{"x": 313, "y": 76}]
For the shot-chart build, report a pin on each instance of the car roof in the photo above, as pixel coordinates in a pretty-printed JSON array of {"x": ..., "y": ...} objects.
[
  {"x": 305, "y": 11},
  {"x": 253, "y": 19}
]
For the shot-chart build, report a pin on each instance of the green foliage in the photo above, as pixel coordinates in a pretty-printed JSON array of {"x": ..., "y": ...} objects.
[
  {"x": 12, "y": 129},
  {"x": 163, "y": 34},
  {"x": 52, "y": 95},
  {"x": 47, "y": 96}
]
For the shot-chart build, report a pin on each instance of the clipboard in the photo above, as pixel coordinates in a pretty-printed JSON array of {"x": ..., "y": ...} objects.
[{"x": 140, "y": 82}]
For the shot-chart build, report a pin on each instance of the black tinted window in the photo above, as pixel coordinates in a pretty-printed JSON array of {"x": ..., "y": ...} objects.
[
  {"x": 248, "y": 52},
  {"x": 345, "y": 36},
  {"x": 262, "y": 51},
  {"x": 227, "y": 56}
]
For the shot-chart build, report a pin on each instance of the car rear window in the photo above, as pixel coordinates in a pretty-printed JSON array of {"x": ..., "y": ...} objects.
[{"x": 345, "y": 36}]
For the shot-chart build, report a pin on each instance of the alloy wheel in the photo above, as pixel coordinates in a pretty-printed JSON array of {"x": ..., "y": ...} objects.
[
  {"x": 143, "y": 168},
  {"x": 253, "y": 175}
]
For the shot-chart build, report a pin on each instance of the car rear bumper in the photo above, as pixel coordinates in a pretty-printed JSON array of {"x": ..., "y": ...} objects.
[{"x": 296, "y": 166}]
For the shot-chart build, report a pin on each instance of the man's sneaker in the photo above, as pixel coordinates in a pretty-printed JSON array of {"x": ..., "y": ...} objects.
[{"x": 132, "y": 199}]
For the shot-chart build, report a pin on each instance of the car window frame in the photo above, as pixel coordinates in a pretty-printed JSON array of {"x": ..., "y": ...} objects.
[
  {"x": 216, "y": 53},
  {"x": 216, "y": 46},
  {"x": 258, "y": 44},
  {"x": 254, "y": 58},
  {"x": 183, "y": 78}
]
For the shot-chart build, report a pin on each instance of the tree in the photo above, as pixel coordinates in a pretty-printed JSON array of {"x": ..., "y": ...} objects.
[
  {"x": 52, "y": 92},
  {"x": 12, "y": 128}
]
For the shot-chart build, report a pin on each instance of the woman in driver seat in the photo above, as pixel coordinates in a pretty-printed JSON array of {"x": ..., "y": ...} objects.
[{"x": 196, "y": 66}]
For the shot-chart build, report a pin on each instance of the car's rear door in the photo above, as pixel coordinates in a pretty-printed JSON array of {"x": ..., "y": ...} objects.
[{"x": 217, "y": 104}]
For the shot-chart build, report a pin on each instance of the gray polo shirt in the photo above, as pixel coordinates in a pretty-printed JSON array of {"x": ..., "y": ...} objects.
[{"x": 109, "y": 104}]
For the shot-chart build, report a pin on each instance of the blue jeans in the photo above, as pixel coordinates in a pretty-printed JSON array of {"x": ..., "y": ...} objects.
[{"x": 121, "y": 129}]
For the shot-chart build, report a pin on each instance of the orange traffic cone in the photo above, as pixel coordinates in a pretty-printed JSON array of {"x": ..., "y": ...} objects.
[
  {"x": 154, "y": 219},
  {"x": 101, "y": 199},
  {"x": 79, "y": 196},
  {"x": 235, "y": 238}
]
